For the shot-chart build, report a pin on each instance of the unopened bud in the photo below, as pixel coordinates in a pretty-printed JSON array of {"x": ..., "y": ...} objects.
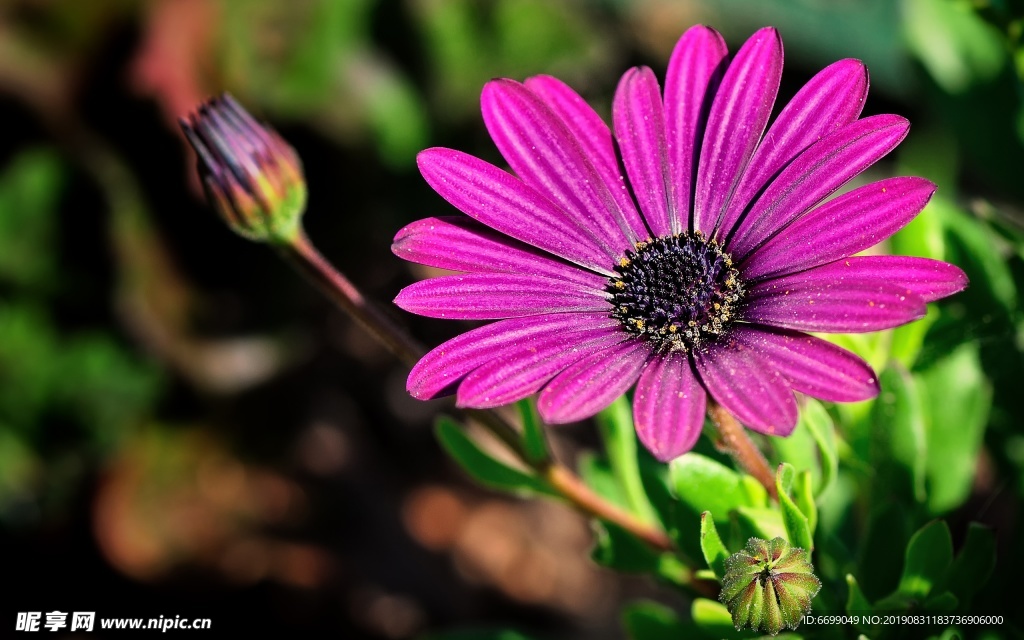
[
  {"x": 252, "y": 177},
  {"x": 768, "y": 586}
]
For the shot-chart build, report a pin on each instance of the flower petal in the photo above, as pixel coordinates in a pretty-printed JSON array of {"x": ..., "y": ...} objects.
[
  {"x": 437, "y": 373},
  {"x": 542, "y": 151},
  {"x": 738, "y": 116},
  {"x": 640, "y": 129},
  {"x": 813, "y": 175},
  {"x": 589, "y": 129},
  {"x": 811, "y": 365},
  {"x": 748, "y": 387},
  {"x": 669, "y": 406},
  {"x": 841, "y": 227},
  {"x": 831, "y": 99},
  {"x": 463, "y": 244},
  {"x": 592, "y": 383},
  {"x": 489, "y": 296},
  {"x": 927, "y": 278},
  {"x": 502, "y": 202},
  {"x": 694, "y": 72},
  {"x": 839, "y": 297},
  {"x": 521, "y": 374}
]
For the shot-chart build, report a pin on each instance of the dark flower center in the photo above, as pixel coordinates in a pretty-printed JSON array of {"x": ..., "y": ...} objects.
[{"x": 679, "y": 292}]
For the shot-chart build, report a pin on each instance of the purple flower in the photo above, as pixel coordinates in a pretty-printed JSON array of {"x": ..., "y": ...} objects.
[{"x": 698, "y": 272}]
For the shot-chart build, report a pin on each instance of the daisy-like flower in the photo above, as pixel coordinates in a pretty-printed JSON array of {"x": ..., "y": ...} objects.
[{"x": 697, "y": 273}]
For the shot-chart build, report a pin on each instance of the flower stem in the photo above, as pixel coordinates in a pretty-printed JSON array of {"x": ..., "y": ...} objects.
[
  {"x": 742, "y": 448},
  {"x": 307, "y": 260}
]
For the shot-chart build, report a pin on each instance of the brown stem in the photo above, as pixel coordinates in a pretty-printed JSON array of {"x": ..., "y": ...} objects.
[
  {"x": 308, "y": 261},
  {"x": 742, "y": 448},
  {"x": 303, "y": 256},
  {"x": 569, "y": 485}
]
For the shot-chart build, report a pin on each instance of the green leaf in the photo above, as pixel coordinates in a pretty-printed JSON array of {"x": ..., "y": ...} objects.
[
  {"x": 707, "y": 485},
  {"x": 908, "y": 339},
  {"x": 898, "y": 446},
  {"x": 944, "y": 602},
  {"x": 819, "y": 423},
  {"x": 597, "y": 474},
  {"x": 481, "y": 466},
  {"x": 701, "y": 484},
  {"x": 882, "y": 550},
  {"x": 619, "y": 436},
  {"x": 954, "y": 44},
  {"x": 803, "y": 496},
  {"x": 715, "y": 620},
  {"x": 798, "y": 530},
  {"x": 535, "y": 441},
  {"x": 978, "y": 253},
  {"x": 973, "y": 565},
  {"x": 755, "y": 522},
  {"x": 29, "y": 189},
  {"x": 856, "y": 603},
  {"x": 929, "y": 555},
  {"x": 956, "y": 396},
  {"x": 715, "y": 552},
  {"x": 652, "y": 621},
  {"x": 616, "y": 548}
]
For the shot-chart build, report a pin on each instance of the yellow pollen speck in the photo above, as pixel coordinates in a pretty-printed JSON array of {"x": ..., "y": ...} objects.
[
  {"x": 717, "y": 306},
  {"x": 883, "y": 189},
  {"x": 673, "y": 328},
  {"x": 619, "y": 284},
  {"x": 623, "y": 262}
]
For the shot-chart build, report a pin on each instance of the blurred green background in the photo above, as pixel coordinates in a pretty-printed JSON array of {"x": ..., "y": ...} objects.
[{"x": 186, "y": 428}]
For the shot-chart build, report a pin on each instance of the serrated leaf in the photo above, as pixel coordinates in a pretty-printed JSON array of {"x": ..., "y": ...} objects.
[
  {"x": 711, "y": 545},
  {"x": 798, "y": 529},
  {"x": 620, "y": 441},
  {"x": 929, "y": 555},
  {"x": 535, "y": 441},
  {"x": 481, "y": 466}
]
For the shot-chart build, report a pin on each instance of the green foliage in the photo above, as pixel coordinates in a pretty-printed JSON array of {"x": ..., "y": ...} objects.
[
  {"x": 29, "y": 190},
  {"x": 483, "y": 467},
  {"x": 711, "y": 545},
  {"x": 620, "y": 442},
  {"x": 535, "y": 442}
]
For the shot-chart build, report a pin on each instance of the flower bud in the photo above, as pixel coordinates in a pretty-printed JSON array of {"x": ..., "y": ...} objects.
[
  {"x": 252, "y": 177},
  {"x": 768, "y": 586}
]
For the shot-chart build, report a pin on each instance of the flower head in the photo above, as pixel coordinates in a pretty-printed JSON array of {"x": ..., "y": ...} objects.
[
  {"x": 699, "y": 272},
  {"x": 251, "y": 176},
  {"x": 768, "y": 586}
]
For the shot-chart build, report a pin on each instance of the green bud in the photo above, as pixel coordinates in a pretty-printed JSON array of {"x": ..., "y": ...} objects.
[
  {"x": 768, "y": 586},
  {"x": 252, "y": 177}
]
